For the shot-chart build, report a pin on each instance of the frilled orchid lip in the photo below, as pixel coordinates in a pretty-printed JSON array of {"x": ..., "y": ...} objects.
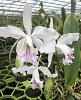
[
  {"x": 36, "y": 85},
  {"x": 68, "y": 59},
  {"x": 28, "y": 57},
  {"x": 70, "y": 56}
]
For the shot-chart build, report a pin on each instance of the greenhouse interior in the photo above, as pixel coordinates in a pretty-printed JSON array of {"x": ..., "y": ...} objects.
[{"x": 40, "y": 50}]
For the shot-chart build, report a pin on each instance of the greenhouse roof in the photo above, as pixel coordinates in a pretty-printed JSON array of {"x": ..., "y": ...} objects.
[{"x": 15, "y": 7}]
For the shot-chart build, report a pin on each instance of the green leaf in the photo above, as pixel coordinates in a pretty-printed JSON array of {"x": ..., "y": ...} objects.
[
  {"x": 69, "y": 97},
  {"x": 63, "y": 14},
  {"x": 71, "y": 26},
  {"x": 58, "y": 23},
  {"x": 48, "y": 88}
]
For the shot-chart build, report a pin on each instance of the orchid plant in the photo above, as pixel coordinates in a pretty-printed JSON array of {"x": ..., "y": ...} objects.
[{"x": 43, "y": 39}]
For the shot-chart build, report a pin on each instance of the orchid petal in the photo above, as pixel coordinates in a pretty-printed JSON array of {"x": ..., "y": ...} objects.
[
  {"x": 63, "y": 49},
  {"x": 68, "y": 38},
  {"x": 27, "y": 18},
  {"x": 34, "y": 50},
  {"x": 30, "y": 70},
  {"x": 48, "y": 47},
  {"x": 45, "y": 71},
  {"x": 29, "y": 41},
  {"x": 36, "y": 82},
  {"x": 67, "y": 51},
  {"x": 51, "y": 23},
  {"x": 23, "y": 69},
  {"x": 20, "y": 69},
  {"x": 50, "y": 55},
  {"x": 11, "y": 31},
  {"x": 37, "y": 85},
  {"x": 30, "y": 57},
  {"x": 37, "y": 42},
  {"x": 21, "y": 47},
  {"x": 36, "y": 75},
  {"x": 45, "y": 33}
]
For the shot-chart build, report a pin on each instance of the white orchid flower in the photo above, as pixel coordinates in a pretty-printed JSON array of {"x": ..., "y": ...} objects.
[
  {"x": 39, "y": 35},
  {"x": 48, "y": 46},
  {"x": 62, "y": 43},
  {"x": 62, "y": 46},
  {"x": 36, "y": 82}
]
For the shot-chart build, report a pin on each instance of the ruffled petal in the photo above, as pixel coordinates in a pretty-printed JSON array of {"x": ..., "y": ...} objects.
[
  {"x": 26, "y": 53},
  {"x": 44, "y": 33},
  {"x": 67, "y": 51},
  {"x": 30, "y": 57},
  {"x": 37, "y": 42},
  {"x": 22, "y": 69},
  {"x": 48, "y": 47},
  {"x": 46, "y": 71},
  {"x": 36, "y": 82},
  {"x": 68, "y": 38},
  {"x": 27, "y": 18},
  {"x": 21, "y": 47},
  {"x": 50, "y": 55},
  {"x": 11, "y": 31},
  {"x": 36, "y": 75}
]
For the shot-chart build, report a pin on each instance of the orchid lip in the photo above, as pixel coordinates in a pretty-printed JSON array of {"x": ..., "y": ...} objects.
[{"x": 29, "y": 57}]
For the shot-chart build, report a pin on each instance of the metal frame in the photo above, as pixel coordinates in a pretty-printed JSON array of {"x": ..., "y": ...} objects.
[{"x": 16, "y": 6}]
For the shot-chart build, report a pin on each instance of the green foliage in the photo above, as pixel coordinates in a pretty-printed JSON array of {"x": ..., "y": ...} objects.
[
  {"x": 41, "y": 19},
  {"x": 69, "y": 97},
  {"x": 11, "y": 20},
  {"x": 63, "y": 14},
  {"x": 73, "y": 6},
  {"x": 48, "y": 88},
  {"x": 59, "y": 20},
  {"x": 71, "y": 26}
]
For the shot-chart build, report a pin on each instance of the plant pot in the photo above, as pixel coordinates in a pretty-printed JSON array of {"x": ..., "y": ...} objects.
[
  {"x": 32, "y": 93},
  {"x": 8, "y": 97},
  {"x": 21, "y": 78},
  {"x": 2, "y": 84}
]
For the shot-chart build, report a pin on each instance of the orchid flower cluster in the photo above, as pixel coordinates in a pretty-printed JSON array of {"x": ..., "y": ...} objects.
[{"x": 43, "y": 40}]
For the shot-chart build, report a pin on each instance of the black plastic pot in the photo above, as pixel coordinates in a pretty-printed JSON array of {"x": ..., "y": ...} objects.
[
  {"x": 8, "y": 97},
  {"x": 2, "y": 84},
  {"x": 33, "y": 94}
]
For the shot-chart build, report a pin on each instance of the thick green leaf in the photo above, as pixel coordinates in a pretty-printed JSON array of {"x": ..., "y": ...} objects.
[
  {"x": 48, "y": 88},
  {"x": 71, "y": 25}
]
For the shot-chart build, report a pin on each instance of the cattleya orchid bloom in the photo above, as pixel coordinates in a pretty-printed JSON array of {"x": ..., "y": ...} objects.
[
  {"x": 61, "y": 46},
  {"x": 36, "y": 82},
  {"x": 26, "y": 41}
]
